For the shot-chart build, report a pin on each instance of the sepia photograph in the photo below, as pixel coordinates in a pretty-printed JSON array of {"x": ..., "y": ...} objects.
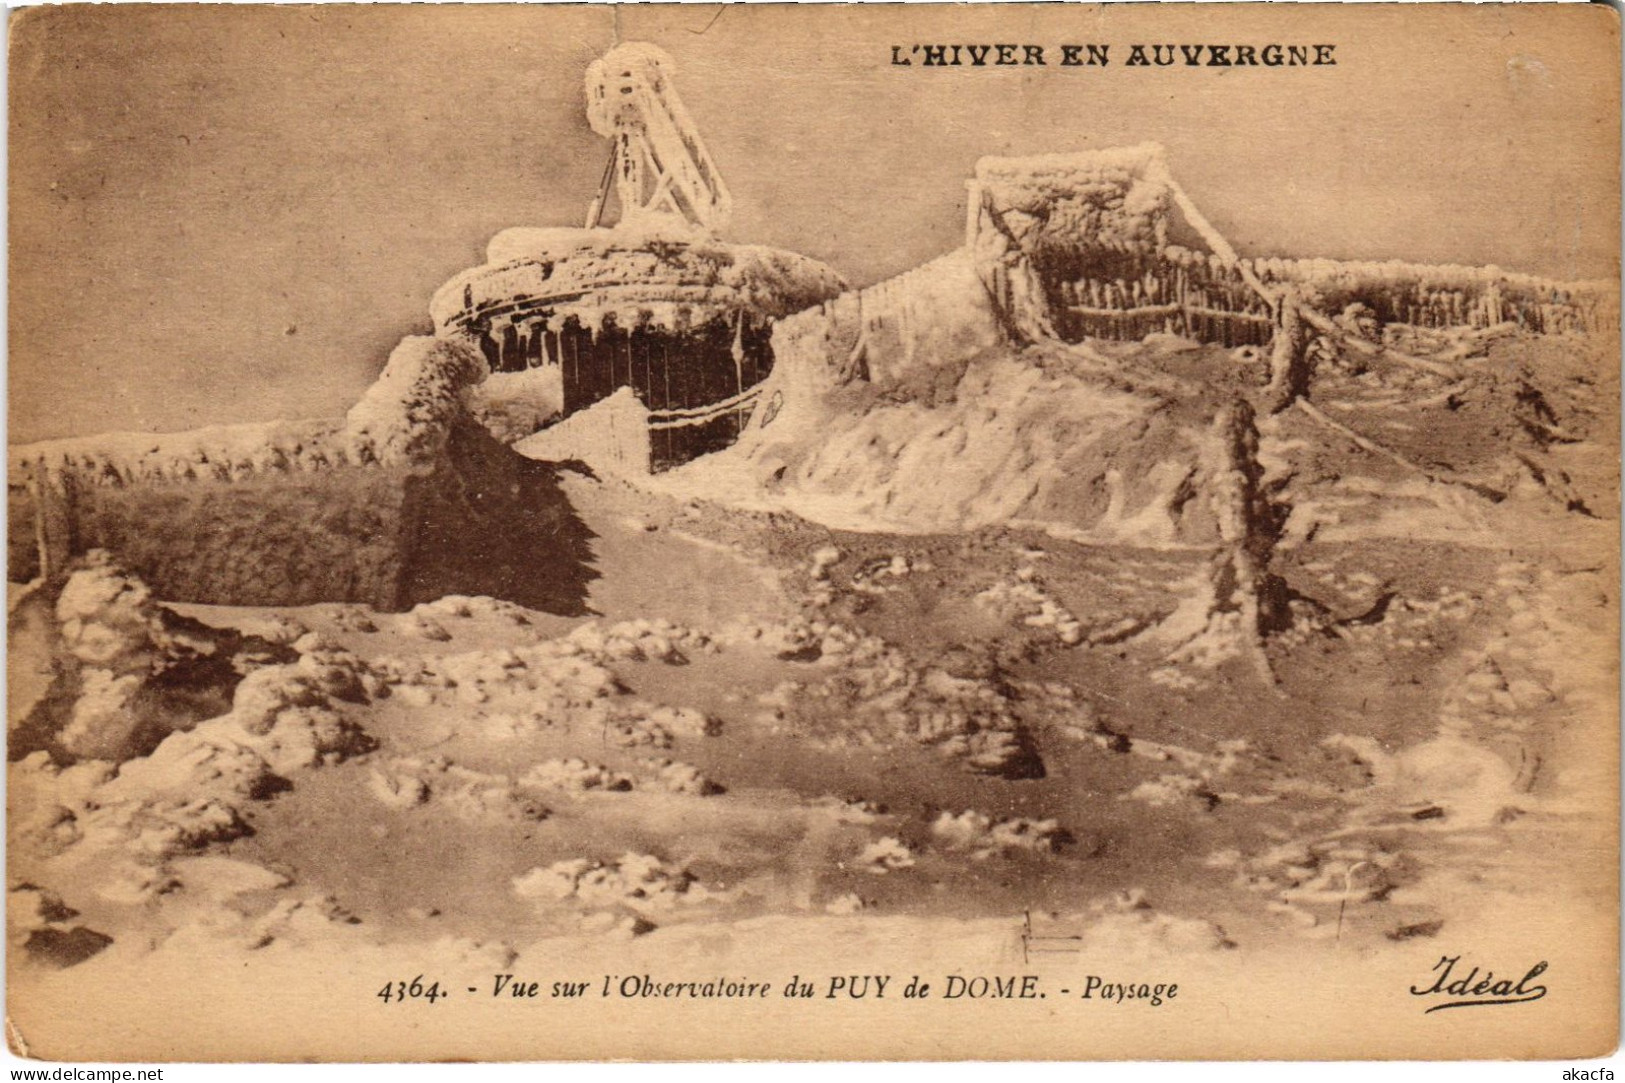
[{"x": 992, "y": 532}]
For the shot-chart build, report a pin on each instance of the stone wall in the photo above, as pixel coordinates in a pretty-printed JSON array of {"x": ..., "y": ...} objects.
[
  {"x": 289, "y": 539},
  {"x": 404, "y": 500}
]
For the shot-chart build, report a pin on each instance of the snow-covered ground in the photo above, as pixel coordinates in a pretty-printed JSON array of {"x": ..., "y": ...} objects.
[{"x": 774, "y": 746}]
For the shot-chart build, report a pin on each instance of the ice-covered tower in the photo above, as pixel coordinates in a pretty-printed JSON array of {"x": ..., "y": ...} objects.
[{"x": 660, "y": 165}]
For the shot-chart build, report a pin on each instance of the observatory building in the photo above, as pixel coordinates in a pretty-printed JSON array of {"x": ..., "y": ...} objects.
[{"x": 654, "y": 303}]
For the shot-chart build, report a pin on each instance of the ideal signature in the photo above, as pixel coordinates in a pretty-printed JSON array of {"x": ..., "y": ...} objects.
[{"x": 1472, "y": 991}]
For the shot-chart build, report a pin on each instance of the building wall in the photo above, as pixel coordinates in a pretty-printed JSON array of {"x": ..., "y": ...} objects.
[
  {"x": 667, "y": 370},
  {"x": 685, "y": 323}
]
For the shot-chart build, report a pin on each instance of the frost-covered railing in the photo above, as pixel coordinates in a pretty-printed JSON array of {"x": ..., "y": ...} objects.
[
  {"x": 1202, "y": 296},
  {"x": 700, "y": 415},
  {"x": 1075, "y": 246},
  {"x": 676, "y": 436},
  {"x": 1148, "y": 294}
]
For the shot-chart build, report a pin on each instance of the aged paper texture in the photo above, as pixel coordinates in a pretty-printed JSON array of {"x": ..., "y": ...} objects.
[{"x": 972, "y": 532}]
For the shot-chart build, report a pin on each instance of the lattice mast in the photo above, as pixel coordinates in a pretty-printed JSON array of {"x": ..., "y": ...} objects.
[{"x": 658, "y": 162}]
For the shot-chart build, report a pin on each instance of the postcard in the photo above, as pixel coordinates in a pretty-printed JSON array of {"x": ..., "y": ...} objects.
[{"x": 968, "y": 532}]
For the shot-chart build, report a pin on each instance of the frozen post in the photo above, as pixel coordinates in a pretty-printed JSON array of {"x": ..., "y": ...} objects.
[{"x": 1289, "y": 356}]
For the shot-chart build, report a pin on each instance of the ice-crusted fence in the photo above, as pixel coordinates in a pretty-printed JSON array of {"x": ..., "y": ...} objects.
[
  {"x": 1075, "y": 246},
  {"x": 1198, "y": 298},
  {"x": 1450, "y": 295},
  {"x": 1204, "y": 297}
]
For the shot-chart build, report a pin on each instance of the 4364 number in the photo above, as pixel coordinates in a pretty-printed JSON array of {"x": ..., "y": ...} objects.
[{"x": 395, "y": 991}]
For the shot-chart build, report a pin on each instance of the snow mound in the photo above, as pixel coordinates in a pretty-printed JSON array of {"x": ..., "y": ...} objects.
[
  {"x": 1465, "y": 784},
  {"x": 640, "y": 640},
  {"x": 552, "y": 679},
  {"x": 681, "y": 778},
  {"x": 1188, "y": 792},
  {"x": 872, "y": 692},
  {"x": 407, "y": 782},
  {"x": 639, "y": 882},
  {"x": 575, "y": 774},
  {"x": 1128, "y": 925},
  {"x": 984, "y": 837},
  {"x": 1049, "y": 436},
  {"x": 885, "y": 855},
  {"x": 127, "y": 671},
  {"x": 612, "y": 435},
  {"x": 849, "y": 810},
  {"x": 40, "y": 929},
  {"x": 406, "y": 414}
]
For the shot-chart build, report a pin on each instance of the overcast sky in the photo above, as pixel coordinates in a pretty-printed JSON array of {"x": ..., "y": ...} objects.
[{"x": 232, "y": 213}]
